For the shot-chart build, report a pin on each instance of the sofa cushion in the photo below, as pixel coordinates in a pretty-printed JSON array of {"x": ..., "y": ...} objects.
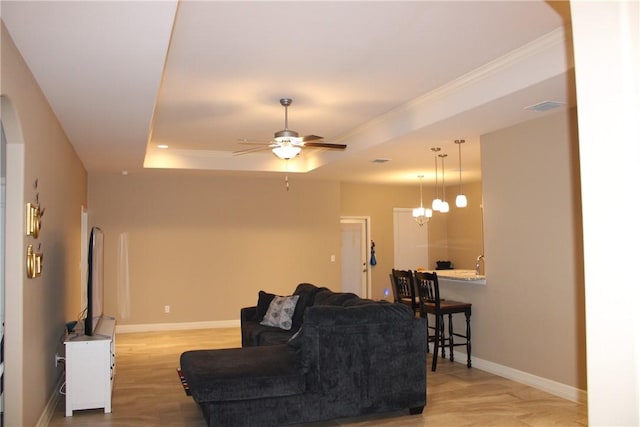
[
  {"x": 273, "y": 336},
  {"x": 280, "y": 312},
  {"x": 253, "y": 333},
  {"x": 264, "y": 300},
  {"x": 306, "y": 292},
  {"x": 242, "y": 373},
  {"x": 373, "y": 312},
  {"x": 327, "y": 297},
  {"x": 295, "y": 340}
]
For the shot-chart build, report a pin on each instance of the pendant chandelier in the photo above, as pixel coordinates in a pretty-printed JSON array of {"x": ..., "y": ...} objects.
[
  {"x": 461, "y": 199},
  {"x": 435, "y": 205},
  {"x": 422, "y": 215},
  {"x": 444, "y": 205}
]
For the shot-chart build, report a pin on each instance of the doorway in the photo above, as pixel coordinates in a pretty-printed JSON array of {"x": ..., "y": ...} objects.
[
  {"x": 356, "y": 271},
  {"x": 13, "y": 155}
]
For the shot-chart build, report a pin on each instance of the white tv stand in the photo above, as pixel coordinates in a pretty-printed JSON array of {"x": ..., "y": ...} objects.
[{"x": 90, "y": 367}]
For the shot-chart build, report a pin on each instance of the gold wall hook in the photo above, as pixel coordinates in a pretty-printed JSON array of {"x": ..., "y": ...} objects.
[
  {"x": 33, "y": 223},
  {"x": 34, "y": 263}
]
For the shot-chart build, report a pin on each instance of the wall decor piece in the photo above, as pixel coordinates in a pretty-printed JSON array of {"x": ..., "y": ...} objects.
[
  {"x": 33, "y": 217},
  {"x": 34, "y": 262},
  {"x": 33, "y": 223}
]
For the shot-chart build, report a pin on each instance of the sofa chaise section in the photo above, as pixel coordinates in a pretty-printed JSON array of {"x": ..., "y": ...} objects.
[{"x": 361, "y": 357}]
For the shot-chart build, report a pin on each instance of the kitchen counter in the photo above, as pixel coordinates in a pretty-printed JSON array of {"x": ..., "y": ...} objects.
[{"x": 460, "y": 276}]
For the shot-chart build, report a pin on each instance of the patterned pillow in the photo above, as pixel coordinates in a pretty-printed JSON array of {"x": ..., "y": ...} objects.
[{"x": 280, "y": 312}]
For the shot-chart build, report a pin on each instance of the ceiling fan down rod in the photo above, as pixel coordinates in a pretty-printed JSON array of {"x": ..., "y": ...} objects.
[{"x": 285, "y": 102}]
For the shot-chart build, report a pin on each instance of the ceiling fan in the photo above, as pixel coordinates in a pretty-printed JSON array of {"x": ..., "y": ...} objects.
[{"x": 286, "y": 143}]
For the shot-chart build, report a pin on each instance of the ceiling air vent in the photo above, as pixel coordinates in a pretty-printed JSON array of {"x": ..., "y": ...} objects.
[
  {"x": 380, "y": 160},
  {"x": 544, "y": 106}
]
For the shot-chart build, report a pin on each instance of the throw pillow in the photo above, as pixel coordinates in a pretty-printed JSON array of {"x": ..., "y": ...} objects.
[
  {"x": 280, "y": 312},
  {"x": 264, "y": 299}
]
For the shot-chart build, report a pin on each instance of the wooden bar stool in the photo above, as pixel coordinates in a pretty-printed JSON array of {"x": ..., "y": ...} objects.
[
  {"x": 431, "y": 303},
  {"x": 404, "y": 290}
]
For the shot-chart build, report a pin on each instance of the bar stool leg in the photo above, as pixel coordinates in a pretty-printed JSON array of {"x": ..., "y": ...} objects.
[
  {"x": 442, "y": 336},
  {"x": 436, "y": 342},
  {"x": 467, "y": 315},
  {"x": 450, "y": 337}
]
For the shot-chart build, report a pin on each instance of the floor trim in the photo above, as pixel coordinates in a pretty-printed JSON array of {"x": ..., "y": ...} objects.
[
  {"x": 544, "y": 384},
  {"x": 50, "y": 407},
  {"x": 155, "y": 327}
]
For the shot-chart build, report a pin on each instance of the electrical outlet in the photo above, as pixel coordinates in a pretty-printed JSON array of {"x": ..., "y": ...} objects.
[
  {"x": 58, "y": 359},
  {"x": 167, "y": 309}
]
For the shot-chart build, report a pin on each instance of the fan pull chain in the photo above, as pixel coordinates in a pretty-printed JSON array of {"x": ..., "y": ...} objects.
[{"x": 286, "y": 176}]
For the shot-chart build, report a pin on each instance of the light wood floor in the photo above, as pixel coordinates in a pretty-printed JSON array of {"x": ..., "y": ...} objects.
[{"x": 147, "y": 392}]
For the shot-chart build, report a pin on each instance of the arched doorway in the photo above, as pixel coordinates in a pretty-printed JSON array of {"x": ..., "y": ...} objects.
[{"x": 11, "y": 263}]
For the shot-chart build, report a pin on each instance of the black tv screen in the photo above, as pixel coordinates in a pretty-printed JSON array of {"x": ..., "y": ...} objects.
[{"x": 95, "y": 281}]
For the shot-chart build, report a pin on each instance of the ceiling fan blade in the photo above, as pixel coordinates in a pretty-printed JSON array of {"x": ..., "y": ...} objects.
[
  {"x": 311, "y": 138},
  {"x": 326, "y": 145},
  {"x": 252, "y": 150},
  {"x": 252, "y": 142}
]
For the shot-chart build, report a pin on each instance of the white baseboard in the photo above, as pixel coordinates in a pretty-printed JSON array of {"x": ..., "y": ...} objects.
[
  {"x": 553, "y": 387},
  {"x": 52, "y": 403},
  {"x": 156, "y": 327}
]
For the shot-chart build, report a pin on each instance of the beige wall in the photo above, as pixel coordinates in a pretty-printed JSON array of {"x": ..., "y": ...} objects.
[
  {"x": 452, "y": 236},
  {"x": 464, "y": 227},
  {"x": 34, "y": 329},
  {"x": 205, "y": 244},
  {"x": 530, "y": 314}
]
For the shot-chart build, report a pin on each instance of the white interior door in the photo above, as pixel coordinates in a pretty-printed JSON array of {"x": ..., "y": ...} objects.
[
  {"x": 410, "y": 241},
  {"x": 355, "y": 260}
]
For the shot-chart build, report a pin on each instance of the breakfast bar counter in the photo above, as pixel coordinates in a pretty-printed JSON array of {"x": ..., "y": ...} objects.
[{"x": 466, "y": 276}]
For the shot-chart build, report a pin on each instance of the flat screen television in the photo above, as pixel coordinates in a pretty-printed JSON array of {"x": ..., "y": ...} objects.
[{"x": 95, "y": 281}]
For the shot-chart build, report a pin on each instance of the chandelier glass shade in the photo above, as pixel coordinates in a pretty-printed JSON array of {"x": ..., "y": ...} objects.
[
  {"x": 421, "y": 214},
  {"x": 461, "y": 199}
]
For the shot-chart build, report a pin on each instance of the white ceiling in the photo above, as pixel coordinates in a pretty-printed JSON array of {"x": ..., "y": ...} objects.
[{"x": 389, "y": 79}]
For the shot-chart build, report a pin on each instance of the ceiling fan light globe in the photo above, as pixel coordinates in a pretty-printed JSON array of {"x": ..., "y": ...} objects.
[
  {"x": 286, "y": 152},
  {"x": 461, "y": 201}
]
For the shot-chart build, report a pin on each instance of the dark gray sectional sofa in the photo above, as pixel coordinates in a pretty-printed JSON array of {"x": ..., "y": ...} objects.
[{"x": 351, "y": 357}]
